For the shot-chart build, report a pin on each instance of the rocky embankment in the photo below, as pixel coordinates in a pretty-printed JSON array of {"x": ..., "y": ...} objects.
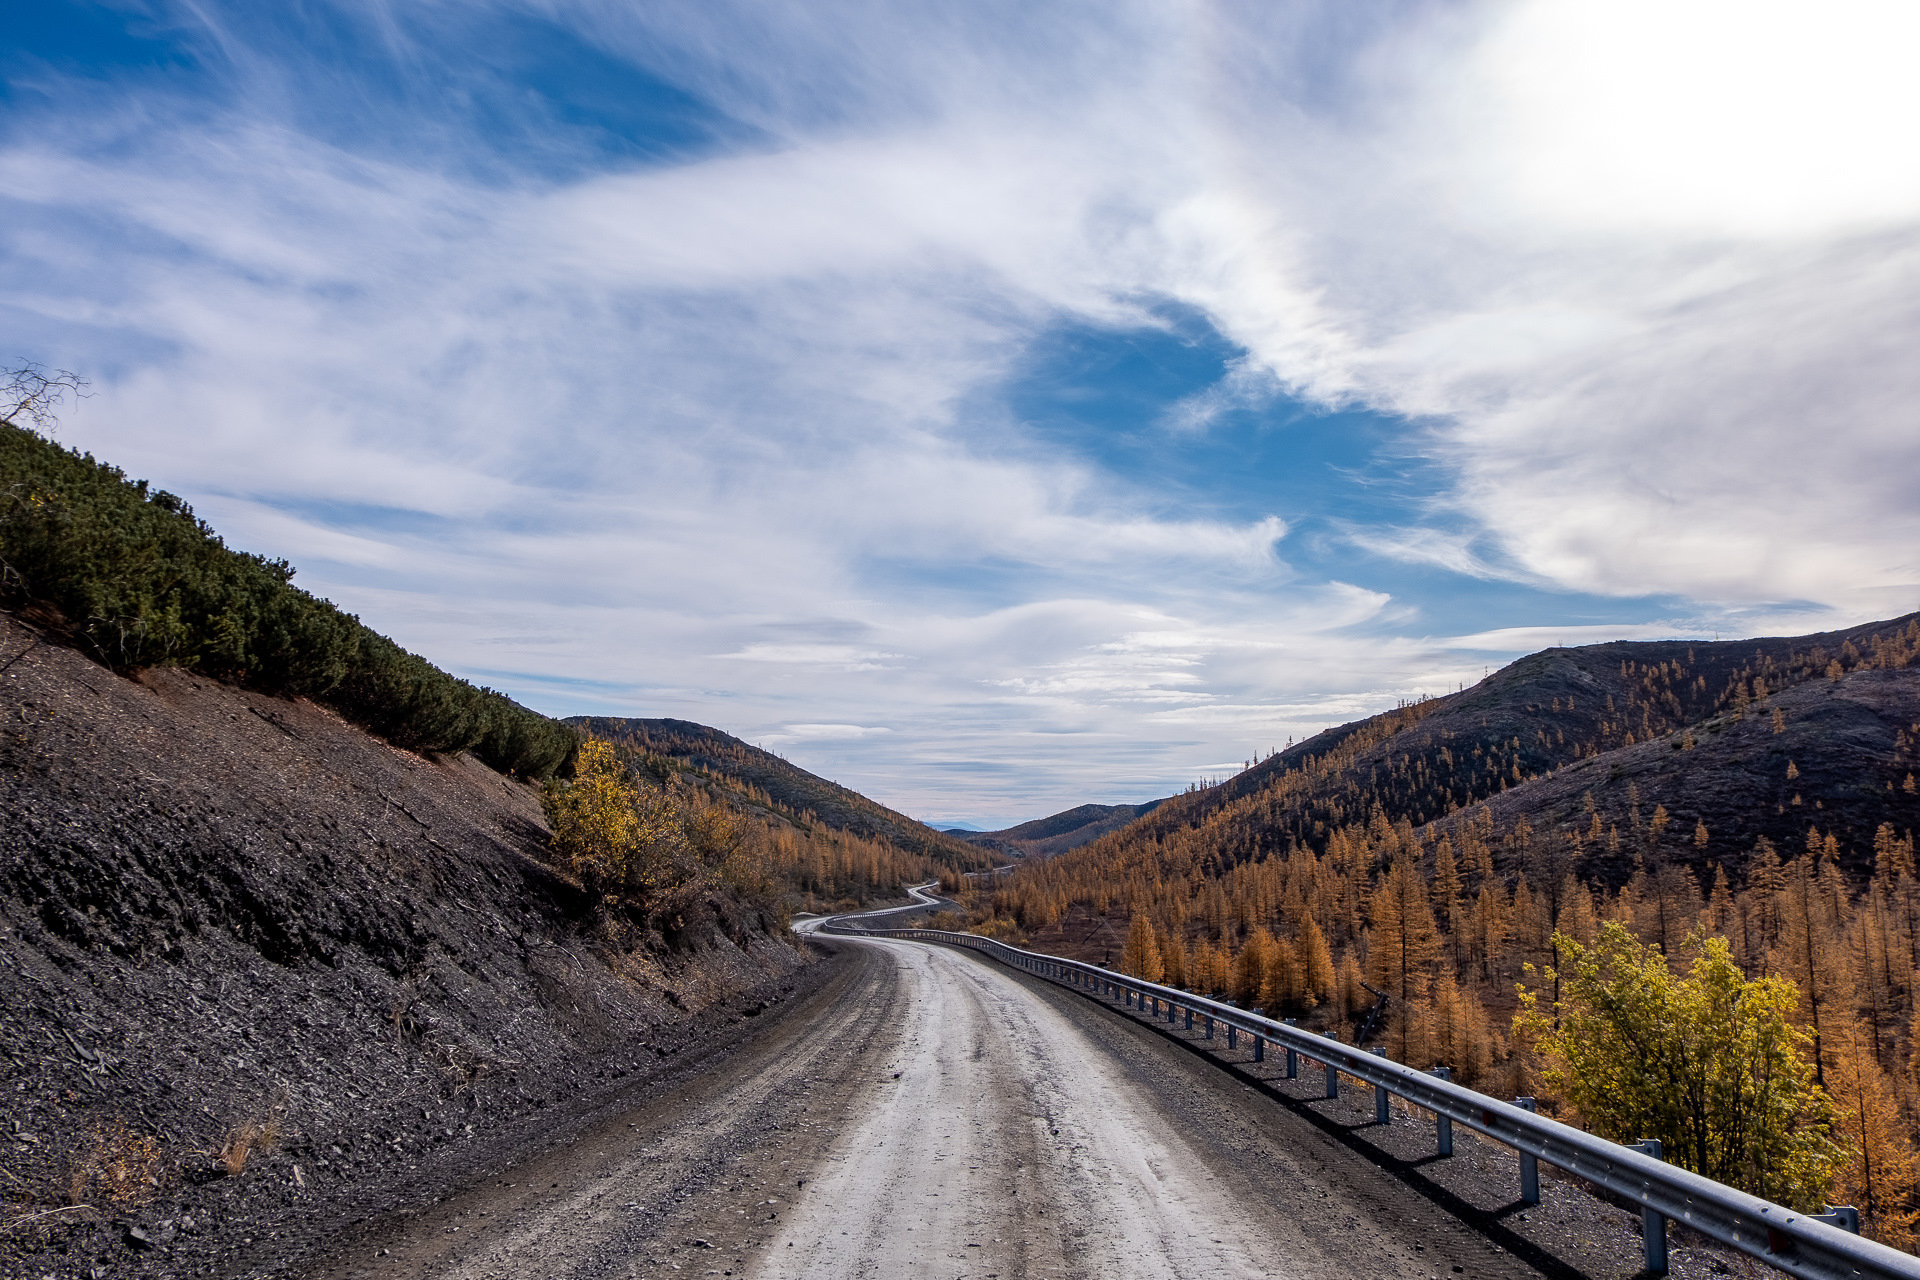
[{"x": 263, "y": 975}]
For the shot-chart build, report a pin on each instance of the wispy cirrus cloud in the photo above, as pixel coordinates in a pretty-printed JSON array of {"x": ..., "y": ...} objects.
[{"x": 1063, "y": 398}]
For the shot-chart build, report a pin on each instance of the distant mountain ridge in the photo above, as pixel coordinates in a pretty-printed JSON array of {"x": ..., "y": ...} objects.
[
  {"x": 702, "y": 747},
  {"x": 1044, "y": 837},
  {"x": 1556, "y": 709}
]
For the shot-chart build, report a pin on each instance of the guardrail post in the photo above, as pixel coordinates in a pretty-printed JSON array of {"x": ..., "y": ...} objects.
[
  {"x": 1233, "y": 1036},
  {"x": 1259, "y": 1048},
  {"x": 1333, "y": 1077},
  {"x": 1653, "y": 1223},
  {"x": 1380, "y": 1094},
  {"x": 1293, "y": 1057},
  {"x": 1843, "y": 1216},
  {"x": 1442, "y": 1125},
  {"x": 1529, "y": 1166},
  {"x": 1173, "y": 1013},
  {"x": 1189, "y": 1025},
  {"x": 1209, "y": 1026}
]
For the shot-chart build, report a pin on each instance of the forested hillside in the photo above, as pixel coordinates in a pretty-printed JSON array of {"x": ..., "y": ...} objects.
[
  {"x": 712, "y": 753},
  {"x": 826, "y": 844},
  {"x": 1393, "y": 879},
  {"x": 1428, "y": 759},
  {"x": 131, "y": 577}
]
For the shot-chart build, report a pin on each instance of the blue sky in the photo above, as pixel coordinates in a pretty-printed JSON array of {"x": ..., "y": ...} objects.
[{"x": 994, "y": 408}]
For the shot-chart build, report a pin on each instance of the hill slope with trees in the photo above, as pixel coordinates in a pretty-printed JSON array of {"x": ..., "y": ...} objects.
[
  {"x": 1059, "y": 832},
  {"x": 1425, "y": 760},
  {"x": 128, "y": 575},
  {"x": 764, "y": 778}
]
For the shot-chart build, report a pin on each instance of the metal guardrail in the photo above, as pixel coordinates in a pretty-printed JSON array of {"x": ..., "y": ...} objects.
[{"x": 1812, "y": 1246}]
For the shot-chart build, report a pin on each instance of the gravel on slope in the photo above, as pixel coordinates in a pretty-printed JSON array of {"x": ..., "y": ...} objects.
[{"x": 262, "y": 975}]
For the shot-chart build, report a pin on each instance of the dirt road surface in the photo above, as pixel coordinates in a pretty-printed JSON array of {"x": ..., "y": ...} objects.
[{"x": 930, "y": 1114}]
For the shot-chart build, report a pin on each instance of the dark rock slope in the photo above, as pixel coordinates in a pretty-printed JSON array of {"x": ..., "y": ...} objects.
[
  {"x": 1831, "y": 755},
  {"x": 262, "y": 974}
]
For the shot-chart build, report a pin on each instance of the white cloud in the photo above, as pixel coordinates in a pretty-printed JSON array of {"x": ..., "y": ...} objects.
[
  {"x": 1519, "y": 640},
  {"x": 820, "y": 732},
  {"x": 1704, "y": 116},
  {"x": 704, "y": 438}
]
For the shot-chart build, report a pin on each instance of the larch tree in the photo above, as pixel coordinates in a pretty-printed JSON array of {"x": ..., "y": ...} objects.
[
  {"x": 1807, "y": 928},
  {"x": 1317, "y": 978},
  {"x": 1141, "y": 958},
  {"x": 1253, "y": 965},
  {"x": 1405, "y": 943},
  {"x": 1881, "y": 1171}
]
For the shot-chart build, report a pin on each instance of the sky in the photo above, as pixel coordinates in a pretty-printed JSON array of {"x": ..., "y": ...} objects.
[{"x": 994, "y": 407}]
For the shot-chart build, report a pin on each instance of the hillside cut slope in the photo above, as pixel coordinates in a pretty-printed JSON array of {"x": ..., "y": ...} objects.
[{"x": 262, "y": 973}]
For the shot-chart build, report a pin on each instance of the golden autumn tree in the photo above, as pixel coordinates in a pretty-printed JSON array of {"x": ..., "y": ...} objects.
[
  {"x": 1405, "y": 943},
  {"x": 1317, "y": 981},
  {"x": 1209, "y": 970},
  {"x": 1141, "y": 958},
  {"x": 1881, "y": 1170},
  {"x": 1808, "y": 926},
  {"x": 1253, "y": 965},
  {"x": 1282, "y": 991},
  {"x": 1174, "y": 963},
  {"x": 1461, "y": 1035}
]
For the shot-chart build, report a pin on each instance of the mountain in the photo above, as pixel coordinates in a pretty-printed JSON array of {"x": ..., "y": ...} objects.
[
  {"x": 710, "y": 752},
  {"x": 1070, "y": 829},
  {"x": 1833, "y": 755},
  {"x": 1561, "y": 710}
]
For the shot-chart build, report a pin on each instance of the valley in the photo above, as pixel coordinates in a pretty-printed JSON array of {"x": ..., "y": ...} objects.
[{"x": 317, "y": 960}]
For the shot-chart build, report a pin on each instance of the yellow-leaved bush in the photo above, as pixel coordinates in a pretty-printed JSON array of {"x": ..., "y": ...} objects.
[
  {"x": 654, "y": 849},
  {"x": 616, "y": 836},
  {"x": 1708, "y": 1063}
]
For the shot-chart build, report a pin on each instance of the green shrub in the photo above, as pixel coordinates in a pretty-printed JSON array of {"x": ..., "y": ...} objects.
[{"x": 141, "y": 582}]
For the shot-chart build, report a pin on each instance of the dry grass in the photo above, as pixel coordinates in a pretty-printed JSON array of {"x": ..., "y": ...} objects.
[
  {"x": 243, "y": 1140},
  {"x": 120, "y": 1167}
]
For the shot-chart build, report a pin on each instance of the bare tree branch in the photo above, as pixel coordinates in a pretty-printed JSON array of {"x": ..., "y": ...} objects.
[{"x": 32, "y": 391}]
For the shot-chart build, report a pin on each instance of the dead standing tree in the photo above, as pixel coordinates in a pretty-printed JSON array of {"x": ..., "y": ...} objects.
[{"x": 31, "y": 391}]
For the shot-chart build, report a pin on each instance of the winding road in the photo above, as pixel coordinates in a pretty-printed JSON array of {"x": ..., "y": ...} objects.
[{"x": 930, "y": 1114}]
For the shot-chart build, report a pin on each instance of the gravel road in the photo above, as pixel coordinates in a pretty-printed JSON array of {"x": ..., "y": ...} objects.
[{"x": 927, "y": 1113}]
